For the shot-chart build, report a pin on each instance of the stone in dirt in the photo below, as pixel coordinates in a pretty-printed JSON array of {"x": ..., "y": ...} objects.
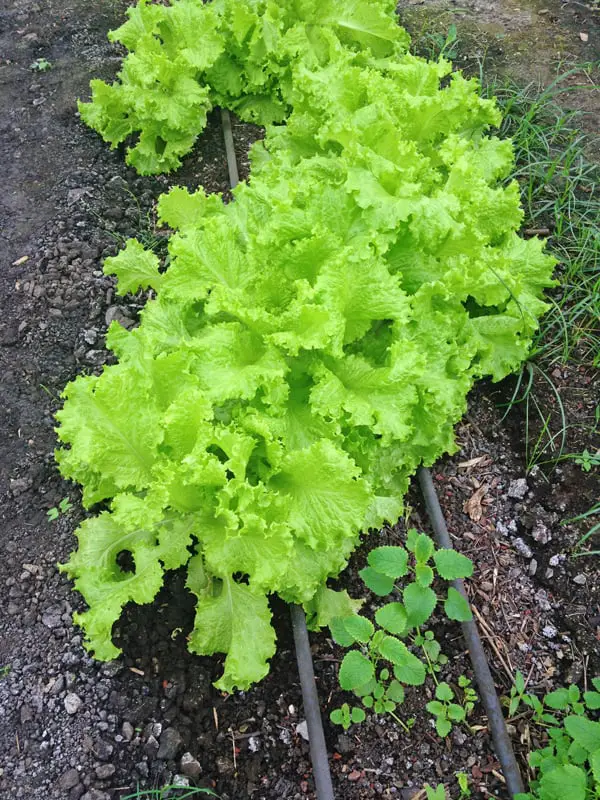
[
  {"x": 170, "y": 742},
  {"x": 72, "y": 703},
  {"x": 69, "y": 779},
  {"x": 104, "y": 771},
  {"x": 103, "y": 750},
  {"x": 95, "y": 794},
  {"x": 518, "y": 489},
  {"x": 541, "y": 533},
  {"x": 190, "y": 766}
]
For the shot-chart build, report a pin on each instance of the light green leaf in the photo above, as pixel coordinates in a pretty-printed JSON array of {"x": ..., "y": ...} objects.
[
  {"x": 452, "y": 565},
  {"x": 393, "y": 618},
  {"x": 443, "y": 691},
  {"x": 135, "y": 268},
  {"x": 235, "y": 621},
  {"x": 390, "y": 561},
  {"x": 419, "y": 602},
  {"x": 592, "y": 700},
  {"x": 443, "y": 726},
  {"x": 360, "y": 628},
  {"x": 585, "y": 732},
  {"x": 328, "y": 605},
  {"x": 423, "y": 574},
  {"x": 558, "y": 699},
  {"x": 562, "y": 782},
  {"x": 456, "y": 607},
  {"x": 379, "y": 584},
  {"x": 328, "y": 498},
  {"x": 355, "y": 670},
  {"x": 424, "y": 548}
]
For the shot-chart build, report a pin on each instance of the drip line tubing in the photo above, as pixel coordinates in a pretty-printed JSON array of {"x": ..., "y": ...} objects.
[
  {"x": 483, "y": 676},
  {"x": 312, "y": 707}
]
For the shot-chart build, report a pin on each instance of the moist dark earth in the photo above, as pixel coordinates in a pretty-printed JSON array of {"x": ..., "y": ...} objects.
[{"x": 73, "y": 728}]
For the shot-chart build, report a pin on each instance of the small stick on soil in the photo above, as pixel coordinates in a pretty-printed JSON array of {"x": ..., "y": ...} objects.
[
  {"x": 488, "y": 634},
  {"x": 537, "y": 232}
]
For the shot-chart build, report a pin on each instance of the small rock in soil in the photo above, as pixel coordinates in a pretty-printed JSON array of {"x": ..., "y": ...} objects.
[
  {"x": 541, "y": 533},
  {"x": 189, "y": 766},
  {"x": 104, "y": 771},
  {"x": 69, "y": 779},
  {"x": 170, "y": 742},
  {"x": 518, "y": 489},
  {"x": 224, "y": 765},
  {"x": 127, "y": 731},
  {"x": 580, "y": 579},
  {"x": 95, "y": 794},
  {"x": 103, "y": 750},
  {"x": 302, "y": 730},
  {"x": 344, "y": 744},
  {"x": 72, "y": 703},
  {"x": 522, "y": 548}
]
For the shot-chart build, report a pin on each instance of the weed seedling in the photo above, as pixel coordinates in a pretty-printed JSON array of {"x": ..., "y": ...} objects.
[
  {"x": 345, "y": 716},
  {"x": 380, "y": 664},
  {"x": 63, "y": 507},
  {"x": 40, "y": 65}
]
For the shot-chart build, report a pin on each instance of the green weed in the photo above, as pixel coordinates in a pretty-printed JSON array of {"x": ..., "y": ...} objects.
[
  {"x": 40, "y": 65},
  {"x": 55, "y": 512},
  {"x": 165, "y": 793},
  {"x": 560, "y": 195}
]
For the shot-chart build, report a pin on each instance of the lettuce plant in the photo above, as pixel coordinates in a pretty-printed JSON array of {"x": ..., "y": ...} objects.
[{"x": 309, "y": 344}]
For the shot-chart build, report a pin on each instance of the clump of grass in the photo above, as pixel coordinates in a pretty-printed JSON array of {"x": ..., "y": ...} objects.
[
  {"x": 560, "y": 190},
  {"x": 170, "y": 792}
]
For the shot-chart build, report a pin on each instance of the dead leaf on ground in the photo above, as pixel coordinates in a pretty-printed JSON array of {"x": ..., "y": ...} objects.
[
  {"x": 472, "y": 506},
  {"x": 472, "y": 462}
]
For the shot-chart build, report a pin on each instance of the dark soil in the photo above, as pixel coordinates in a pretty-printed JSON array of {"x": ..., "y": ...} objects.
[{"x": 71, "y": 727}]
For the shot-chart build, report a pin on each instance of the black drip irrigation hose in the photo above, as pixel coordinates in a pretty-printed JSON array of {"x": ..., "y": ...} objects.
[
  {"x": 234, "y": 177},
  {"x": 483, "y": 676},
  {"x": 312, "y": 707}
]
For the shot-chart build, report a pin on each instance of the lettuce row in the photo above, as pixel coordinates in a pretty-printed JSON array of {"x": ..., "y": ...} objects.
[
  {"x": 186, "y": 58},
  {"x": 308, "y": 345}
]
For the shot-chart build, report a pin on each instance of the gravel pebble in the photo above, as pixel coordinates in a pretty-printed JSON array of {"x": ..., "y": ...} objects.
[
  {"x": 190, "y": 766},
  {"x": 69, "y": 779},
  {"x": 518, "y": 489},
  {"x": 170, "y": 742},
  {"x": 72, "y": 703}
]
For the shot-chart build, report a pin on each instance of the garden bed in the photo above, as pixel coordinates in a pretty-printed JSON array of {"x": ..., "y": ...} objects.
[{"x": 71, "y": 727}]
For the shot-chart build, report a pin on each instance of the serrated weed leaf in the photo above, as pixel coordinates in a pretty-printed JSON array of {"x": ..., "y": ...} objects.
[
  {"x": 583, "y": 731},
  {"x": 377, "y": 582},
  {"x": 443, "y": 691},
  {"x": 390, "y": 561},
  {"x": 420, "y": 602},
  {"x": 355, "y": 671},
  {"x": 424, "y": 548},
  {"x": 339, "y": 633},
  {"x": 452, "y": 565},
  {"x": 457, "y": 607},
  {"x": 359, "y": 628},
  {"x": 423, "y": 574},
  {"x": 393, "y": 617}
]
